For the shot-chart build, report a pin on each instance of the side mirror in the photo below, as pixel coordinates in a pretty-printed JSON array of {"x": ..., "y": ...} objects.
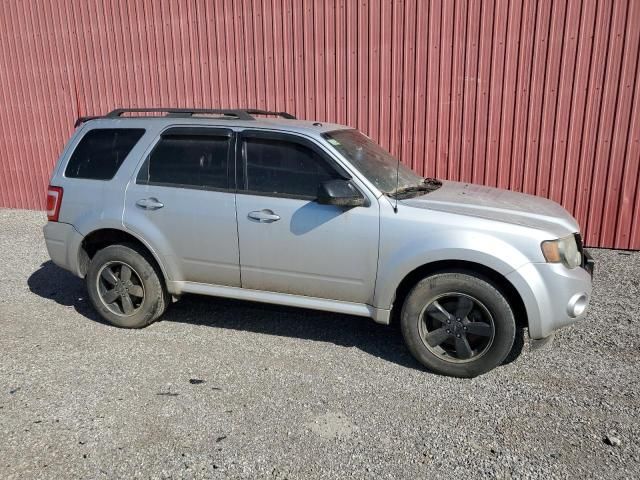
[{"x": 339, "y": 192}]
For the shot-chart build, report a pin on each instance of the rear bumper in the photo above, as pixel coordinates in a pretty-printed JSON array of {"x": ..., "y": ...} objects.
[
  {"x": 554, "y": 296},
  {"x": 63, "y": 244}
]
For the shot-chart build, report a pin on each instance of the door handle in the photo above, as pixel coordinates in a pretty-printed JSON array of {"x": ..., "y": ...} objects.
[
  {"x": 264, "y": 216},
  {"x": 150, "y": 203}
]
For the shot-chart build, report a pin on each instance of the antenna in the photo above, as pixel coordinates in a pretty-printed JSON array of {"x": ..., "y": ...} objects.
[{"x": 395, "y": 207}]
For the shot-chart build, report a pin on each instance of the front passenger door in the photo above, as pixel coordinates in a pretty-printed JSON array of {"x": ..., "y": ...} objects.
[{"x": 288, "y": 242}]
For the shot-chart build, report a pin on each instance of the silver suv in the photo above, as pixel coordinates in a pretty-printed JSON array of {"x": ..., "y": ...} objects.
[{"x": 149, "y": 204}]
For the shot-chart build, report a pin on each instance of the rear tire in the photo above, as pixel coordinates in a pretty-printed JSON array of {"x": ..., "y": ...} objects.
[
  {"x": 126, "y": 287},
  {"x": 457, "y": 324}
]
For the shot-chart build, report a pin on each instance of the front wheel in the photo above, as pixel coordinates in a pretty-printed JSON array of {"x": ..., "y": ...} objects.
[{"x": 458, "y": 324}]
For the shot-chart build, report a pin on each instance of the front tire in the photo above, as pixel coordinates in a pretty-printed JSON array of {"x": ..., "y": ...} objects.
[
  {"x": 458, "y": 324},
  {"x": 125, "y": 287}
]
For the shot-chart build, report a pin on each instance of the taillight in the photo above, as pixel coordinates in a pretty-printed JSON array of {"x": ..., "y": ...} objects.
[{"x": 54, "y": 200}]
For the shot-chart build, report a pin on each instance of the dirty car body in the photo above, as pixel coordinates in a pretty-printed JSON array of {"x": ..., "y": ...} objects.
[{"x": 310, "y": 215}]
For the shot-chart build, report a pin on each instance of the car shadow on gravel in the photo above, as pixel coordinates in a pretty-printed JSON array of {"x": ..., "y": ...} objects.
[
  {"x": 344, "y": 330},
  {"x": 54, "y": 283},
  {"x": 385, "y": 342}
]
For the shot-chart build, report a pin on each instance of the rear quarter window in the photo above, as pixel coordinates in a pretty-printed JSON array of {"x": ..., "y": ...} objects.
[{"x": 101, "y": 151}]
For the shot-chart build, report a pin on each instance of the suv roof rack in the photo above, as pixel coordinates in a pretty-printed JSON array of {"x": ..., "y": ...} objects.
[{"x": 231, "y": 114}]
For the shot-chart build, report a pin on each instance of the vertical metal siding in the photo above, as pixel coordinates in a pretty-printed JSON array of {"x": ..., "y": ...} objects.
[{"x": 541, "y": 97}]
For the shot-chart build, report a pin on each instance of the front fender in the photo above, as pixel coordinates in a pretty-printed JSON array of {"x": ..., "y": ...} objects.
[{"x": 405, "y": 256}]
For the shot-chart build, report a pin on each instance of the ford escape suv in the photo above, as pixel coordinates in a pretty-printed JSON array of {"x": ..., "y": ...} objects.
[{"x": 149, "y": 204}]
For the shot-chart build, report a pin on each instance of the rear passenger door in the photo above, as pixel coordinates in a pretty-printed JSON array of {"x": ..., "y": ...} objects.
[{"x": 181, "y": 202}]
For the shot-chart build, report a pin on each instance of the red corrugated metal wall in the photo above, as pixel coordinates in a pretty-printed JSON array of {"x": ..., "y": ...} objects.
[{"x": 541, "y": 97}]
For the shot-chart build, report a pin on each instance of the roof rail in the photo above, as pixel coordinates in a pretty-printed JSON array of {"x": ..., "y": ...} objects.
[
  {"x": 284, "y": 115},
  {"x": 238, "y": 113},
  {"x": 81, "y": 120},
  {"x": 231, "y": 114}
]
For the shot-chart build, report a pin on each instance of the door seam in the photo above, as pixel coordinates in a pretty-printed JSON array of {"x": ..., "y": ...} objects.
[{"x": 235, "y": 200}]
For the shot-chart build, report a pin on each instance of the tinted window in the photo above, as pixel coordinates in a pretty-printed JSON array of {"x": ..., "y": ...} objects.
[
  {"x": 188, "y": 161},
  {"x": 278, "y": 166},
  {"x": 101, "y": 152}
]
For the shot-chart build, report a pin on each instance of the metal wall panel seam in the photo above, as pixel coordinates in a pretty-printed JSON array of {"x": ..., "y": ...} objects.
[
  {"x": 433, "y": 85},
  {"x": 408, "y": 83},
  {"x": 9, "y": 186},
  {"x": 470, "y": 91},
  {"x": 523, "y": 96},
  {"x": 613, "y": 178},
  {"x": 565, "y": 105},
  {"x": 538, "y": 84},
  {"x": 579, "y": 106},
  {"x": 591, "y": 124},
  {"x": 631, "y": 173},
  {"x": 555, "y": 46},
  {"x": 483, "y": 92},
  {"x": 362, "y": 22},
  {"x": 509, "y": 86},
  {"x": 420, "y": 98},
  {"x": 38, "y": 89},
  {"x": 496, "y": 97},
  {"x": 607, "y": 119},
  {"x": 27, "y": 188},
  {"x": 457, "y": 89}
]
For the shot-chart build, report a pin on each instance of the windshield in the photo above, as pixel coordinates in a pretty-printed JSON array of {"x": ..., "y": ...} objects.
[{"x": 375, "y": 163}]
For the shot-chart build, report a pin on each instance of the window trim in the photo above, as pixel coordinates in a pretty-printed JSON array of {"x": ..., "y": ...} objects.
[
  {"x": 83, "y": 136},
  {"x": 291, "y": 137},
  {"x": 203, "y": 131}
]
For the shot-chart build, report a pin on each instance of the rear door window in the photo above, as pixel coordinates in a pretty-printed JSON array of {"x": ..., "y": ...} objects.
[
  {"x": 101, "y": 151},
  {"x": 189, "y": 160}
]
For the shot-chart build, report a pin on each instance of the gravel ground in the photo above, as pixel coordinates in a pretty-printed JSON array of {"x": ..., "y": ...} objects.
[{"x": 225, "y": 389}]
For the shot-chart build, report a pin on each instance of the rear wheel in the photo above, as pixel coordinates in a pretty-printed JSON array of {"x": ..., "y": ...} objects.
[
  {"x": 458, "y": 324},
  {"x": 125, "y": 287}
]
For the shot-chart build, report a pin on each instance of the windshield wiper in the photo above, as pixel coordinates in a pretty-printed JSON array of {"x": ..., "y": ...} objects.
[{"x": 427, "y": 185}]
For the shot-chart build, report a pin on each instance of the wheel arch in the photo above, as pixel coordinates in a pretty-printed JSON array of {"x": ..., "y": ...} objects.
[
  {"x": 103, "y": 237},
  {"x": 461, "y": 266}
]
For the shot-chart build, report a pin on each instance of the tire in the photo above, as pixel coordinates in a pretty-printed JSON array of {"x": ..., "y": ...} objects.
[
  {"x": 447, "y": 343},
  {"x": 107, "y": 279}
]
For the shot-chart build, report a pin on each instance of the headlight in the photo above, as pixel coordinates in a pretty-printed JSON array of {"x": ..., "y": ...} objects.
[{"x": 564, "y": 250}]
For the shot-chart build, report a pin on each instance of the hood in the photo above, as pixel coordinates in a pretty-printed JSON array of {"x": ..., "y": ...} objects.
[{"x": 499, "y": 205}]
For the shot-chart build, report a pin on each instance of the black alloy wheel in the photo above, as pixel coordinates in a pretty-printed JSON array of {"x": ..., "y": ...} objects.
[
  {"x": 120, "y": 288},
  {"x": 457, "y": 327}
]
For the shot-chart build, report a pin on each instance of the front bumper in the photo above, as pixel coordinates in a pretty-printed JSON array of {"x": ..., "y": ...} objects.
[
  {"x": 587, "y": 262},
  {"x": 553, "y": 295}
]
